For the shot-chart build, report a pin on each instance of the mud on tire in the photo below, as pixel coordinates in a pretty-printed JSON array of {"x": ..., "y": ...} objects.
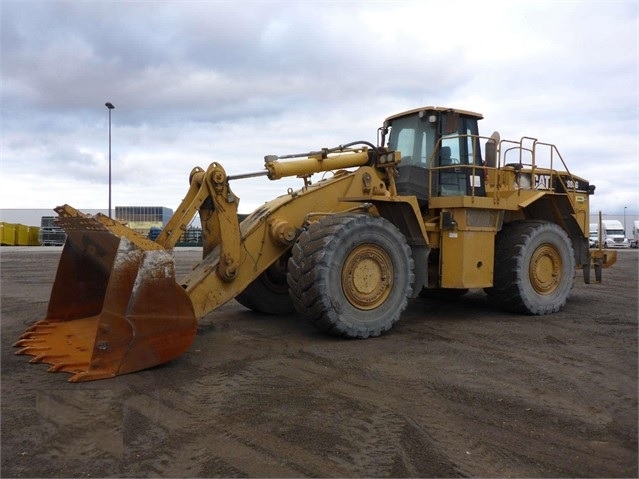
[{"x": 351, "y": 274}]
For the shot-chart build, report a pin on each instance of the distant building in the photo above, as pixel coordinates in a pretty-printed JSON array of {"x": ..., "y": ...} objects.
[{"x": 142, "y": 218}]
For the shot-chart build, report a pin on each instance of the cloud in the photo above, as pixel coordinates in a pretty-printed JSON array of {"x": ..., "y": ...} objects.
[{"x": 195, "y": 82}]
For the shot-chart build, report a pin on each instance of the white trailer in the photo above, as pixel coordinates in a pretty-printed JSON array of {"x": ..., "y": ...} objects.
[{"x": 634, "y": 241}]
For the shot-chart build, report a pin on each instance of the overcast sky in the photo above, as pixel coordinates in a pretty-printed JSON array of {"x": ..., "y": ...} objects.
[{"x": 200, "y": 81}]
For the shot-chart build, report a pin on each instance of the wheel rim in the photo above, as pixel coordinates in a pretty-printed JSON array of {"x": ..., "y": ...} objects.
[
  {"x": 367, "y": 277},
  {"x": 545, "y": 269}
]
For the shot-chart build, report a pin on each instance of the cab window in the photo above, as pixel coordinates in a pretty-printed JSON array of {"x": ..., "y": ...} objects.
[{"x": 414, "y": 137}]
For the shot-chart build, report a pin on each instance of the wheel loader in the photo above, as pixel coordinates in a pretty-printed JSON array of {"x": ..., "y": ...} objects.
[{"x": 432, "y": 209}]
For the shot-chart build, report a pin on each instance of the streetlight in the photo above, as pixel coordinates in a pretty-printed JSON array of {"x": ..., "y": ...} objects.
[
  {"x": 110, "y": 106},
  {"x": 624, "y": 221}
]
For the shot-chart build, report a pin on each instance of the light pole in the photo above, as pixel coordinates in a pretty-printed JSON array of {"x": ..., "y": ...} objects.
[
  {"x": 624, "y": 221},
  {"x": 110, "y": 106}
]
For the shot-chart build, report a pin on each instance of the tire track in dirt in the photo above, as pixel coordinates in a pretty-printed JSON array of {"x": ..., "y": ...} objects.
[
  {"x": 467, "y": 408},
  {"x": 376, "y": 431},
  {"x": 222, "y": 443},
  {"x": 377, "y": 436},
  {"x": 557, "y": 364},
  {"x": 189, "y": 444},
  {"x": 518, "y": 432},
  {"x": 374, "y": 435},
  {"x": 72, "y": 430}
]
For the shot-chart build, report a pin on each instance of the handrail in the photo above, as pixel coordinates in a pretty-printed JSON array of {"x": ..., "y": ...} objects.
[
  {"x": 504, "y": 147},
  {"x": 433, "y": 167}
]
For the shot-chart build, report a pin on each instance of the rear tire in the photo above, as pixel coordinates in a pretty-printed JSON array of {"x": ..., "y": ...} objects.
[
  {"x": 534, "y": 268},
  {"x": 268, "y": 293},
  {"x": 351, "y": 275}
]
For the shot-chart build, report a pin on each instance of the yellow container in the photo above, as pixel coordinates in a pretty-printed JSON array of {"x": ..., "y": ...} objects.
[
  {"x": 22, "y": 235},
  {"x": 34, "y": 232},
  {"x": 7, "y": 234}
]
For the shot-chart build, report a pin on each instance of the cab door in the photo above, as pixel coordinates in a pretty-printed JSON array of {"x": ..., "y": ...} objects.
[{"x": 459, "y": 151}]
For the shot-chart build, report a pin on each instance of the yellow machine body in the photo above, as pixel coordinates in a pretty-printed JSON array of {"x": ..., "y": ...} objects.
[{"x": 116, "y": 306}]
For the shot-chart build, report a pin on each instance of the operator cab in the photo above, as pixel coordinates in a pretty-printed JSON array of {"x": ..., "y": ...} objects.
[{"x": 439, "y": 152}]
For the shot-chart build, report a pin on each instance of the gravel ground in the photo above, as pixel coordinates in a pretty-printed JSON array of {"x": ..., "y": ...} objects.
[{"x": 455, "y": 389}]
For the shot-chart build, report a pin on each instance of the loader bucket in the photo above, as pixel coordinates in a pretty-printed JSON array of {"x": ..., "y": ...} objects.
[{"x": 115, "y": 307}]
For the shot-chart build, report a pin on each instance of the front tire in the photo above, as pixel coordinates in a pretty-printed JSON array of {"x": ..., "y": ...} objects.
[
  {"x": 534, "y": 268},
  {"x": 351, "y": 274}
]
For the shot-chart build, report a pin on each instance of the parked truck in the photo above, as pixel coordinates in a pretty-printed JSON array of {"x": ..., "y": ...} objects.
[
  {"x": 424, "y": 211},
  {"x": 613, "y": 234},
  {"x": 634, "y": 241}
]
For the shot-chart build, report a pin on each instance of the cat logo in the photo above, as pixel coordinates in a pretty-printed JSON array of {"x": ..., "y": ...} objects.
[{"x": 542, "y": 182}]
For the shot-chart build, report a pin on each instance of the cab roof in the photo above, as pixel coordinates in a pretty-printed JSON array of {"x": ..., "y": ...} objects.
[{"x": 473, "y": 114}]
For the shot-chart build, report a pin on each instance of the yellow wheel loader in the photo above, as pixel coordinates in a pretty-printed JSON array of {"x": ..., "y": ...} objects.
[{"x": 434, "y": 209}]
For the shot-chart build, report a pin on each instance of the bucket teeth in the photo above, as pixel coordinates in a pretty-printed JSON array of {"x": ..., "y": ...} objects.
[
  {"x": 27, "y": 341},
  {"x": 39, "y": 326},
  {"x": 32, "y": 335},
  {"x": 45, "y": 358},
  {"x": 69, "y": 366},
  {"x": 42, "y": 324},
  {"x": 30, "y": 350}
]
